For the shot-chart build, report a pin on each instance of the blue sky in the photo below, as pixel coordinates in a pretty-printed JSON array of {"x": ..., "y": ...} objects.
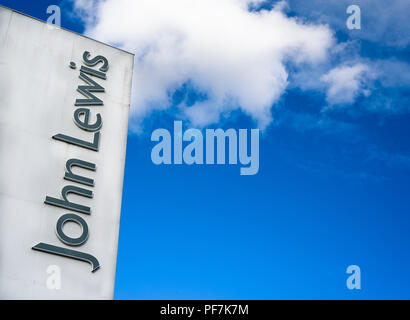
[{"x": 332, "y": 188}]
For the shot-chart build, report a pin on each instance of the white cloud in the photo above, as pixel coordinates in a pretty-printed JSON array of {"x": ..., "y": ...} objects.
[
  {"x": 345, "y": 83},
  {"x": 235, "y": 56}
]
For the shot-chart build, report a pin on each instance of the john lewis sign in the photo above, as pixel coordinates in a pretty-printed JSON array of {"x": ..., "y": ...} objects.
[
  {"x": 82, "y": 120},
  {"x": 64, "y": 109}
]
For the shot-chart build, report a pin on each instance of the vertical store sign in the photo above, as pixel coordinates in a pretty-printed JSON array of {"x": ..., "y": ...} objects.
[
  {"x": 64, "y": 108},
  {"x": 82, "y": 119}
]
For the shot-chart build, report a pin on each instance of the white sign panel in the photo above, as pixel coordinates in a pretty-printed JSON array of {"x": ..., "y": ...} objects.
[{"x": 64, "y": 106}]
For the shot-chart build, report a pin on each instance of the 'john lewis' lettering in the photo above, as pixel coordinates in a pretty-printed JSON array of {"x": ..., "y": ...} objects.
[{"x": 85, "y": 120}]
